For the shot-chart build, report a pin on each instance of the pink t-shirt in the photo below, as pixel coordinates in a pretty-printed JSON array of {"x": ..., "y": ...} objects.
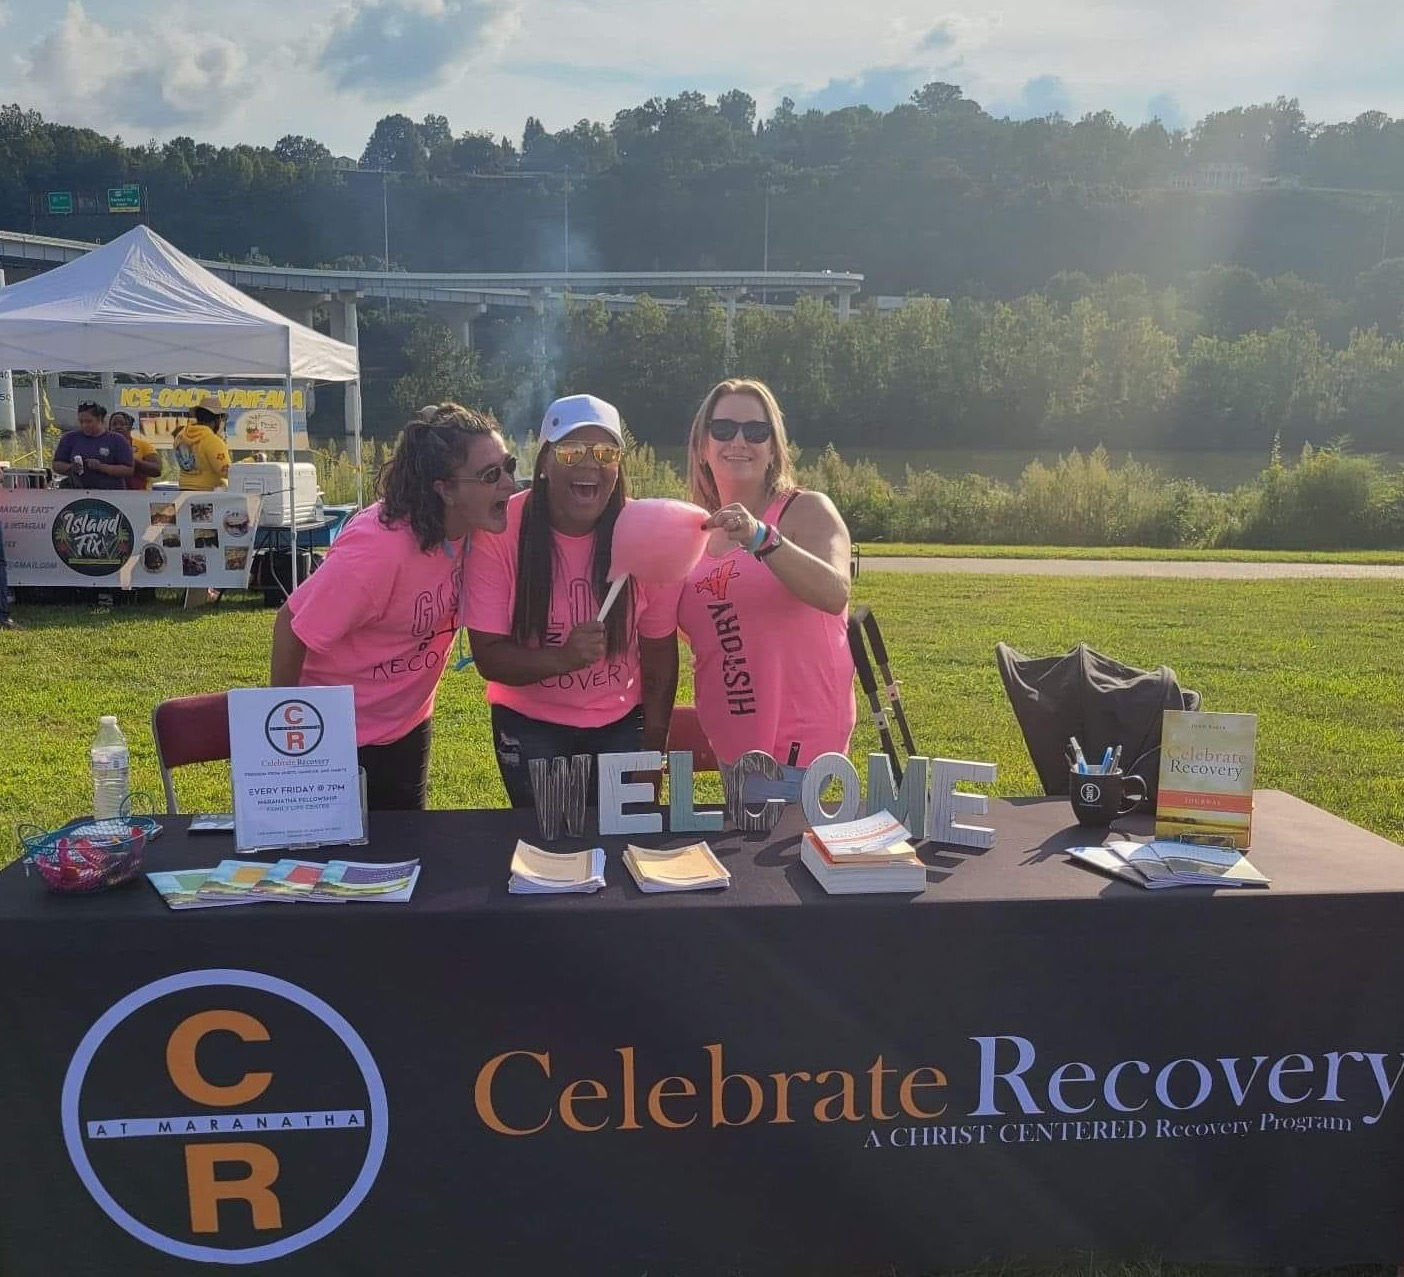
[
  {"x": 768, "y": 671},
  {"x": 380, "y": 614},
  {"x": 601, "y": 693}
]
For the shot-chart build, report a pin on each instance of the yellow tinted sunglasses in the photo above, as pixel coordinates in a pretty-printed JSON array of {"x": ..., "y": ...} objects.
[{"x": 607, "y": 454}]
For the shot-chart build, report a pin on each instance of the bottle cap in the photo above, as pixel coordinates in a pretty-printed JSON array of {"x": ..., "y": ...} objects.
[{"x": 106, "y": 719}]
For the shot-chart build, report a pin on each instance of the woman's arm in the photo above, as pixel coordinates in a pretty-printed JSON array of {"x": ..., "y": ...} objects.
[
  {"x": 289, "y": 652},
  {"x": 658, "y": 671},
  {"x": 149, "y": 466},
  {"x": 500, "y": 659},
  {"x": 812, "y": 560}
]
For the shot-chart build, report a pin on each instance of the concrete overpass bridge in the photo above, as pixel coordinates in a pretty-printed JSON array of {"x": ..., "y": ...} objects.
[{"x": 462, "y": 297}]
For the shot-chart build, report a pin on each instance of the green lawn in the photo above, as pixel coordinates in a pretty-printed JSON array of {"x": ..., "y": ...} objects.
[
  {"x": 926, "y": 550},
  {"x": 1317, "y": 660}
]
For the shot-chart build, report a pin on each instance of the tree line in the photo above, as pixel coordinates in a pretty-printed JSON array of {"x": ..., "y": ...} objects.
[
  {"x": 1227, "y": 361},
  {"x": 934, "y": 196}
]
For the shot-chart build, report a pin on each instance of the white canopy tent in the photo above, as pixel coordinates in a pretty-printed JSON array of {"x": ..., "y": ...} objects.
[{"x": 139, "y": 304}]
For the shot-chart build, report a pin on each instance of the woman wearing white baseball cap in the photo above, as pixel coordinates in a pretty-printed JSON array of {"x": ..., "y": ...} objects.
[{"x": 560, "y": 682}]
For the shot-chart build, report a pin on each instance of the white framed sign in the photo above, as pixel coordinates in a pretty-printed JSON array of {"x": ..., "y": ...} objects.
[
  {"x": 122, "y": 539},
  {"x": 293, "y": 765}
]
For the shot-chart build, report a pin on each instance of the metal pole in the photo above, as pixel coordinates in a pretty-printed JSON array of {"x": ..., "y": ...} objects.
[
  {"x": 7, "y": 390},
  {"x": 566, "y": 191},
  {"x": 765, "y": 243},
  {"x": 385, "y": 220},
  {"x": 292, "y": 474}
]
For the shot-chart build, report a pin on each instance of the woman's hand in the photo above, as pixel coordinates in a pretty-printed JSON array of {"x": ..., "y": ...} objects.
[
  {"x": 737, "y": 522},
  {"x": 585, "y": 645}
]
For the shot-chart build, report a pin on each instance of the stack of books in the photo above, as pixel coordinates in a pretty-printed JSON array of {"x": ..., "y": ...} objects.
[
  {"x": 242, "y": 882},
  {"x": 858, "y": 857},
  {"x": 1171, "y": 864},
  {"x": 691, "y": 868},
  {"x": 544, "y": 873}
]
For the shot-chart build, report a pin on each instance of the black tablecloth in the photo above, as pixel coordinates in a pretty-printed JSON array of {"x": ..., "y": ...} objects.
[{"x": 1024, "y": 1058}]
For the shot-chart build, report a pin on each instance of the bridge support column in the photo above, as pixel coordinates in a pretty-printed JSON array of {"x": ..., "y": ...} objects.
[{"x": 345, "y": 326}]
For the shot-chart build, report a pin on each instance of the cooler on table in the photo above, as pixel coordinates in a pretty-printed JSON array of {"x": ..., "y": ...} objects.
[{"x": 270, "y": 478}]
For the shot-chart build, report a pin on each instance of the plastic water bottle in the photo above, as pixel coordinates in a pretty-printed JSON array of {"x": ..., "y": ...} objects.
[{"x": 111, "y": 764}]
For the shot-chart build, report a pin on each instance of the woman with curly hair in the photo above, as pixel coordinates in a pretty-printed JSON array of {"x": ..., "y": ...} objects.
[{"x": 381, "y": 611}]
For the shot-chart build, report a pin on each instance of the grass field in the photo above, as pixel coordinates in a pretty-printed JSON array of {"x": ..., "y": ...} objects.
[
  {"x": 1317, "y": 660},
  {"x": 928, "y": 550}
]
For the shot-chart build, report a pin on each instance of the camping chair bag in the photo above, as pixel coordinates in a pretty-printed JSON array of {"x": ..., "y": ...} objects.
[{"x": 1095, "y": 698}]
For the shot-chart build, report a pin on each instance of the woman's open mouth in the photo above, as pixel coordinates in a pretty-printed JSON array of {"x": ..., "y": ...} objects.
[{"x": 585, "y": 489}]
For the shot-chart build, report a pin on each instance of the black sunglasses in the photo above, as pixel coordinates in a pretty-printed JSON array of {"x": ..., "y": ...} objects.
[
  {"x": 723, "y": 431},
  {"x": 508, "y": 465}
]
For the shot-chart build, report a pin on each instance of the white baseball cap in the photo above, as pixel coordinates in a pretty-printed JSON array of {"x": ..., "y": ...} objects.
[{"x": 575, "y": 411}]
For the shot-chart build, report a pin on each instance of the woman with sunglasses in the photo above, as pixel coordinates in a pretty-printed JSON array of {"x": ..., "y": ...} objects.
[
  {"x": 381, "y": 611},
  {"x": 765, "y": 610},
  {"x": 560, "y": 682}
]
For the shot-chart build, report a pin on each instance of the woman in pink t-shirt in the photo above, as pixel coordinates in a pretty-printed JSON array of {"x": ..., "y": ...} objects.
[
  {"x": 560, "y": 682},
  {"x": 381, "y": 611},
  {"x": 765, "y": 610}
]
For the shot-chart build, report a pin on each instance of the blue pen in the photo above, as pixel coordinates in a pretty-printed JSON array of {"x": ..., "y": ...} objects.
[{"x": 1106, "y": 761}]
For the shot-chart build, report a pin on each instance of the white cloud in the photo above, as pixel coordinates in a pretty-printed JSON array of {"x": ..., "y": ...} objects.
[
  {"x": 380, "y": 47},
  {"x": 154, "y": 76}
]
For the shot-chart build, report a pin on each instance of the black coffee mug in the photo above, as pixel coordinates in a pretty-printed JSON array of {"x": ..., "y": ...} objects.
[{"x": 1098, "y": 798}]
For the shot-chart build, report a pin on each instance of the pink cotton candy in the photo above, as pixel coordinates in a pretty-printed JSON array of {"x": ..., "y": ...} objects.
[{"x": 657, "y": 540}]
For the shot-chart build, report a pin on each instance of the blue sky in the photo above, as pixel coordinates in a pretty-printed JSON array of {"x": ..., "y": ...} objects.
[{"x": 253, "y": 70}]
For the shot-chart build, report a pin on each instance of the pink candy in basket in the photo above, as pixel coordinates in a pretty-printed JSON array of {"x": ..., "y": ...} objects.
[{"x": 656, "y": 541}]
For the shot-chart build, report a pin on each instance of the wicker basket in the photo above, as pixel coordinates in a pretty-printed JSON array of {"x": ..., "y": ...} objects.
[{"x": 88, "y": 855}]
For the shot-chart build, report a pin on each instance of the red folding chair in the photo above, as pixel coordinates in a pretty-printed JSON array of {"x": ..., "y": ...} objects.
[
  {"x": 685, "y": 733},
  {"x": 189, "y": 729}
]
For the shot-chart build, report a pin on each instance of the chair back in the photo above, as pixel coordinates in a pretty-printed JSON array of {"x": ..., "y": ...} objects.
[
  {"x": 685, "y": 733},
  {"x": 189, "y": 729}
]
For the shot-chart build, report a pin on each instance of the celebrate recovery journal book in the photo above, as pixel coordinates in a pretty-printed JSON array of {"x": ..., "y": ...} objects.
[{"x": 1206, "y": 776}]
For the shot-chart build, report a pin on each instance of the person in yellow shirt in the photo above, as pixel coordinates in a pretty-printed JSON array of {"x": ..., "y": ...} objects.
[
  {"x": 200, "y": 454},
  {"x": 144, "y": 456}
]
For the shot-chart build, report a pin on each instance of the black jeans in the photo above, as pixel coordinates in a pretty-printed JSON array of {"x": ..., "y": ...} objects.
[
  {"x": 517, "y": 739},
  {"x": 397, "y": 774}
]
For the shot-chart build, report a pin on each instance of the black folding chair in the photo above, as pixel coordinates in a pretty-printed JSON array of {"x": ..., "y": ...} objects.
[{"x": 864, "y": 634}]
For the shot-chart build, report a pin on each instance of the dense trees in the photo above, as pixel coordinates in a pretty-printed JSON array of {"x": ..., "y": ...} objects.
[{"x": 1206, "y": 287}]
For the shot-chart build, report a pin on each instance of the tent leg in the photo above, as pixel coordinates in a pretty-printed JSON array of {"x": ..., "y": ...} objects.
[{"x": 292, "y": 486}]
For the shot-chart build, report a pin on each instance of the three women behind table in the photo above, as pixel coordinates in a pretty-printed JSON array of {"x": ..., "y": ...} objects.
[
  {"x": 765, "y": 610},
  {"x": 381, "y": 611},
  {"x": 559, "y": 681}
]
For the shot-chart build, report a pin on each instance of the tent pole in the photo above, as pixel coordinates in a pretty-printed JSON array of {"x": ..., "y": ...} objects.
[
  {"x": 36, "y": 380},
  {"x": 354, "y": 389},
  {"x": 292, "y": 473}
]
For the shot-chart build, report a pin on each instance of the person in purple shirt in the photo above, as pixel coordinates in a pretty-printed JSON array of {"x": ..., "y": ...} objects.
[{"x": 94, "y": 456}]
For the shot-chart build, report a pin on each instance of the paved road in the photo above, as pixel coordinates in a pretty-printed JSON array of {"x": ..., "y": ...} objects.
[{"x": 1137, "y": 567}]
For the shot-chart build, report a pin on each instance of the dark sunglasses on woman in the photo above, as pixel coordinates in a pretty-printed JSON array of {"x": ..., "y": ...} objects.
[
  {"x": 724, "y": 431},
  {"x": 508, "y": 465}
]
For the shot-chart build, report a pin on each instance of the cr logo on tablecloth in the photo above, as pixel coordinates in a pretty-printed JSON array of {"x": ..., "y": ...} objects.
[
  {"x": 225, "y": 1116},
  {"x": 294, "y": 728}
]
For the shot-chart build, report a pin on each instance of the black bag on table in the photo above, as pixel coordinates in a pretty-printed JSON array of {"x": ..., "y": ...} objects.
[{"x": 1095, "y": 698}]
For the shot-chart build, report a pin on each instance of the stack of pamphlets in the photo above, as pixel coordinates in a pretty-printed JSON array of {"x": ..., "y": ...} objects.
[
  {"x": 544, "y": 873},
  {"x": 1171, "y": 864},
  {"x": 690, "y": 868},
  {"x": 239, "y": 882},
  {"x": 858, "y": 857}
]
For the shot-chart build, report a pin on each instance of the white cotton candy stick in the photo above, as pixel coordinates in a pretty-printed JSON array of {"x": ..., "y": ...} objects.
[{"x": 614, "y": 587}]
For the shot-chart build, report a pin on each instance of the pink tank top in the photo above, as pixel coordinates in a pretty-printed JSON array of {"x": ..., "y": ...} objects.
[{"x": 769, "y": 672}]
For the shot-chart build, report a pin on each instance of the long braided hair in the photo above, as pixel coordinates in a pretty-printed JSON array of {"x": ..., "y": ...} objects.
[
  {"x": 434, "y": 443},
  {"x": 535, "y": 561}
]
